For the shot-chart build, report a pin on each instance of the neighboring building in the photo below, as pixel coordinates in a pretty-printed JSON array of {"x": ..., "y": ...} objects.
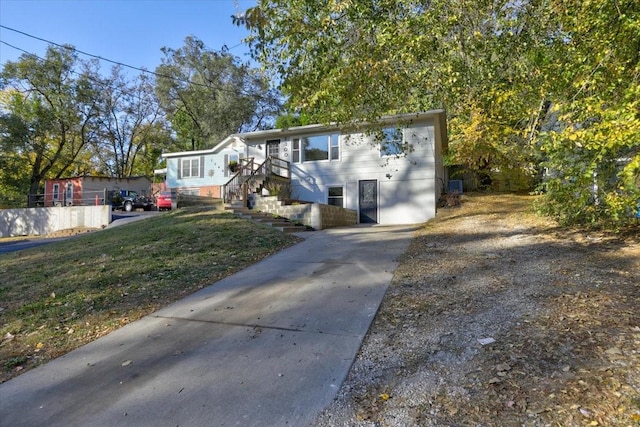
[
  {"x": 365, "y": 171},
  {"x": 83, "y": 190}
]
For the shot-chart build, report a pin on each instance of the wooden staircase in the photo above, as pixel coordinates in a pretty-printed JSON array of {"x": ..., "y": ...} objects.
[{"x": 250, "y": 178}]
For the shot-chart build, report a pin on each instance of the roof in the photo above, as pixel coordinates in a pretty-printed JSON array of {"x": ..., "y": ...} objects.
[{"x": 297, "y": 130}]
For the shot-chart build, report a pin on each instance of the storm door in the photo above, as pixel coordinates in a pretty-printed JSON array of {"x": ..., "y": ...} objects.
[
  {"x": 368, "y": 201},
  {"x": 273, "y": 150}
]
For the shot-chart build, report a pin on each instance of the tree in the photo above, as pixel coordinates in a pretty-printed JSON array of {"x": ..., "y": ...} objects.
[
  {"x": 593, "y": 152},
  {"x": 497, "y": 67},
  {"x": 14, "y": 167},
  {"x": 359, "y": 60},
  {"x": 208, "y": 95},
  {"x": 50, "y": 113},
  {"x": 129, "y": 121}
]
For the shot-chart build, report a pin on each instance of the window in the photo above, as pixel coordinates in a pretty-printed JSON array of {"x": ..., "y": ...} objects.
[
  {"x": 191, "y": 168},
  {"x": 295, "y": 151},
  {"x": 273, "y": 148},
  {"x": 335, "y": 196},
  {"x": 335, "y": 146},
  {"x": 391, "y": 143},
  {"x": 56, "y": 192},
  {"x": 319, "y": 147}
]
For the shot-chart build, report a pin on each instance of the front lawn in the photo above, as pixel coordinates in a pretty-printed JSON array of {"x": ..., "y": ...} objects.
[{"x": 59, "y": 296}]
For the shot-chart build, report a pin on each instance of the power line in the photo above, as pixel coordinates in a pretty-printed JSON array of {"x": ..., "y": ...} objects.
[
  {"x": 103, "y": 83},
  {"x": 77, "y": 50},
  {"x": 143, "y": 70}
]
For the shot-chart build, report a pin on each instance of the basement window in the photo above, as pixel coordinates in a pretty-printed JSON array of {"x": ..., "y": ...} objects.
[{"x": 335, "y": 196}]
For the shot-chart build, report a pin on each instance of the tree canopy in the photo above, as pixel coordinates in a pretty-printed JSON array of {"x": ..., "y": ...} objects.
[
  {"x": 59, "y": 117},
  {"x": 49, "y": 114},
  {"x": 210, "y": 94},
  {"x": 532, "y": 88}
]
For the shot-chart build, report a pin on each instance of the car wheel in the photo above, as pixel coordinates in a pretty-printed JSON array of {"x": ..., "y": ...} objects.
[{"x": 128, "y": 206}]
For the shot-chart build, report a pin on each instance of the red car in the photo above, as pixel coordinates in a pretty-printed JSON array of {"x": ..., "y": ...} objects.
[{"x": 163, "y": 200}]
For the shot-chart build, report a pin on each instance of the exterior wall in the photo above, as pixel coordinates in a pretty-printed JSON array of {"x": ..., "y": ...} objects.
[
  {"x": 214, "y": 171},
  {"x": 214, "y": 191},
  {"x": 408, "y": 186},
  {"x": 86, "y": 188},
  {"x": 37, "y": 221},
  {"x": 141, "y": 185}
]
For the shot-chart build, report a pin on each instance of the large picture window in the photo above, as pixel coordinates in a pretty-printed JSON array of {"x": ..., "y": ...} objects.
[{"x": 318, "y": 147}]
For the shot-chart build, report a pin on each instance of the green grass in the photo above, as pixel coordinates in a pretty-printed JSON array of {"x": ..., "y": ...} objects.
[{"x": 59, "y": 296}]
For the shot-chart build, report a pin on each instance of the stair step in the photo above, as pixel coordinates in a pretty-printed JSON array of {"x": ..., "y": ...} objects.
[
  {"x": 292, "y": 229},
  {"x": 282, "y": 224}
]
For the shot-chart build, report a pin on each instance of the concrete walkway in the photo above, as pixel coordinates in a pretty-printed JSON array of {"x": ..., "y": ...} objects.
[{"x": 268, "y": 346}]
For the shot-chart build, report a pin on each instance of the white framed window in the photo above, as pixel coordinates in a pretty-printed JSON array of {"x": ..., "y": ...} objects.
[
  {"x": 334, "y": 146},
  {"x": 295, "y": 150},
  {"x": 192, "y": 167},
  {"x": 391, "y": 142},
  {"x": 317, "y": 147},
  {"x": 56, "y": 192},
  {"x": 335, "y": 196}
]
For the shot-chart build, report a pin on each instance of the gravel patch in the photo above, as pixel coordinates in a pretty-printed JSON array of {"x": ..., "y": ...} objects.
[{"x": 496, "y": 317}]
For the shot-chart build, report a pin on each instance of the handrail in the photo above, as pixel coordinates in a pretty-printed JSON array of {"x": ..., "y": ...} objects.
[{"x": 237, "y": 186}]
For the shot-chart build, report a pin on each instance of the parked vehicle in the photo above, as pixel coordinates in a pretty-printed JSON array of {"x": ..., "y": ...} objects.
[
  {"x": 164, "y": 200},
  {"x": 129, "y": 200}
]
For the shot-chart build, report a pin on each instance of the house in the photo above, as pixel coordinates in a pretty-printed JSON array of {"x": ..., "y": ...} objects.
[
  {"x": 83, "y": 190},
  {"x": 389, "y": 173}
]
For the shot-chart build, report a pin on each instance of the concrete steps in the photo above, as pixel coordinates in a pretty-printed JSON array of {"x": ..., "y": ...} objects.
[{"x": 281, "y": 224}]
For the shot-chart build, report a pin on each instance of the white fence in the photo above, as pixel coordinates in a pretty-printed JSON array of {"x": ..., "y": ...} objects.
[{"x": 39, "y": 221}]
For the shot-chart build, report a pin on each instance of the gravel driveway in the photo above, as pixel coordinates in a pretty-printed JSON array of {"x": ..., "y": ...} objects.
[{"x": 496, "y": 317}]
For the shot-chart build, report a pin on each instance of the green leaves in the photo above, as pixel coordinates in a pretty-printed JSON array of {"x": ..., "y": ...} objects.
[
  {"x": 208, "y": 95},
  {"x": 497, "y": 67}
]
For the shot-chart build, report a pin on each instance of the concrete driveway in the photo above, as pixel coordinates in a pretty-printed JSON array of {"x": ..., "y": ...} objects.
[{"x": 268, "y": 346}]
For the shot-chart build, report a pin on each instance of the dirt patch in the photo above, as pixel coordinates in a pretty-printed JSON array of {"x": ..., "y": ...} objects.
[
  {"x": 496, "y": 317},
  {"x": 70, "y": 232}
]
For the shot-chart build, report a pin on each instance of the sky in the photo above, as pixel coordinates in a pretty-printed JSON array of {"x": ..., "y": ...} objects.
[{"x": 131, "y": 32}]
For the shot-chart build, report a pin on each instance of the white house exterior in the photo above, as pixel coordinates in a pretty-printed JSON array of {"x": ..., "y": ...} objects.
[{"x": 361, "y": 170}]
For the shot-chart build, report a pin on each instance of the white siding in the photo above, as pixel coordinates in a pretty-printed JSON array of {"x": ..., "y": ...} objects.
[{"x": 406, "y": 185}]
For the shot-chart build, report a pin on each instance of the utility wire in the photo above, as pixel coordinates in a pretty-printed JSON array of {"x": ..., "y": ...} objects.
[
  {"x": 100, "y": 82},
  {"x": 107, "y": 60}
]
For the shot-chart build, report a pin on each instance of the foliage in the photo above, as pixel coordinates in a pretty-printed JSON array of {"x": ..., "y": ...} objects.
[
  {"x": 131, "y": 129},
  {"x": 280, "y": 189},
  {"x": 593, "y": 153},
  {"x": 503, "y": 70},
  {"x": 290, "y": 120},
  {"x": 52, "y": 109},
  {"x": 14, "y": 168},
  {"x": 208, "y": 95}
]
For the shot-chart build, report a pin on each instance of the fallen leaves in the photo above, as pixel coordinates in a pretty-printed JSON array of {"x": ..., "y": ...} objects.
[{"x": 559, "y": 313}]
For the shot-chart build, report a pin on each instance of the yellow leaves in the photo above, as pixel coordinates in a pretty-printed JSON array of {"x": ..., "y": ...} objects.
[
  {"x": 39, "y": 346},
  {"x": 384, "y": 396}
]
